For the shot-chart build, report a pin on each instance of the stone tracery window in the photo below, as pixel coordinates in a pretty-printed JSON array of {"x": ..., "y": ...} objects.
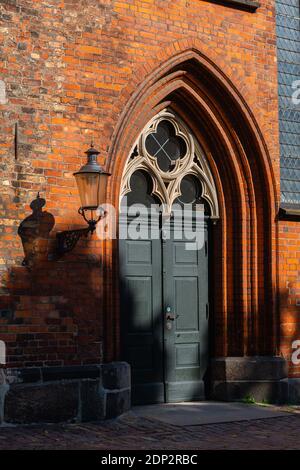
[
  {"x": 165, "y": 145},
  {"x": 167, "y": 166}
]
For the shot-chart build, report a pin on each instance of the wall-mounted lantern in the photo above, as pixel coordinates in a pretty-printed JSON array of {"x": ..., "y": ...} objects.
[{"x": 91, "y": 181}]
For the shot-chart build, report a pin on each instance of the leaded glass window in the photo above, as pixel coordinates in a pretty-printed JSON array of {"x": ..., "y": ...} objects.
[{"x": 288, "y": 46}]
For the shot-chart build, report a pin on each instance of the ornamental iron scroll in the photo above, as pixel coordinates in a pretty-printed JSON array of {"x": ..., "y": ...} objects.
[{"x": 167, "y": 151}]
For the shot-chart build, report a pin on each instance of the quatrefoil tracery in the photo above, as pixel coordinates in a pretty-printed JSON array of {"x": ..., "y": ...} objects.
[
  {"x": 167, "y": 151},
  {"x": 165, "y": 145},
  {"x": 184, "y": 148}
]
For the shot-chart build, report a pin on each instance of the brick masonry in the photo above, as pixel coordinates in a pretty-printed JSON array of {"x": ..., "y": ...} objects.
[
  {"x": 289, "y": 289},
  {"x": 69, "y": 70}
]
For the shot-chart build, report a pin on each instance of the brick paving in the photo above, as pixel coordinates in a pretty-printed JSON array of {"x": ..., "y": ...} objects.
[{"x": 130, "y": 432}]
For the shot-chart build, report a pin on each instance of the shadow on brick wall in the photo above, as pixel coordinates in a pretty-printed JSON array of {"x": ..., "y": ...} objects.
[
  {"x": 51, "y": 310},
  {"x": 34, "y": 232}
]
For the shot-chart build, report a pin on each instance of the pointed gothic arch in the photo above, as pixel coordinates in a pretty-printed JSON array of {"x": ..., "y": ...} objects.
[{"x": 244, "y": 270}]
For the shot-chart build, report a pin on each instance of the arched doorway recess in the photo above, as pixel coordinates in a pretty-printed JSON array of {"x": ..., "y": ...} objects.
[
  {"x": 244, "y": 241},
  {"x": 169, "y": 195}
]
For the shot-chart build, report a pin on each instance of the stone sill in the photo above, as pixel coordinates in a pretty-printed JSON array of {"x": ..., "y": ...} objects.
[
  {"x": 248, "y": 5},
  {"x": 289, "y": 212}
]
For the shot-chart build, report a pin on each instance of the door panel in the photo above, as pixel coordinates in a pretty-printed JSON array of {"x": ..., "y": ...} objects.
[
  {"x": 139, "y": 253},
  {"x": 141, "y": 319},
  {"x": 185, "y": 287},
  {"x": 184, "y": 257},
  {"x": 167, "y": 364}
]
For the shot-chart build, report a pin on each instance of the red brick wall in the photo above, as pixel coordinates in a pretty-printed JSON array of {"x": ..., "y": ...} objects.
[
  {"x": 289, "y": 289},
  {"x": 70, "y": 67}
]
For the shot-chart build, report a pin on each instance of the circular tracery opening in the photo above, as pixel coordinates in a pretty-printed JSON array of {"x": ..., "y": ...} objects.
[
  {"x": 190, "y": 189},
  {"x": 167, "y": 166},
  {"x": 141, "y": 186},
  {"x": 165, "y": 145},
  {"x": 191, "y": 194}
]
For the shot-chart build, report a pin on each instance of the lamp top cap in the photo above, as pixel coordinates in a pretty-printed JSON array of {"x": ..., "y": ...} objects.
[
  {"x": 92, "y": 165},
  {"x": 92, "y": 150}
]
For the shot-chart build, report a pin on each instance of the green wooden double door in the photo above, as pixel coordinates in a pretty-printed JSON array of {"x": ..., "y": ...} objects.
[{"x": 164, "y": 316}]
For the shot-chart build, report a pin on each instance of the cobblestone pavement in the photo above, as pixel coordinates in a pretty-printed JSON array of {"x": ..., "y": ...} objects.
[{"x": 130, "y": 432}]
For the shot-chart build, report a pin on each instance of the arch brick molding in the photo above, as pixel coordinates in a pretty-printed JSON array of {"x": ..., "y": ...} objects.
[{"x": 197, "y": 84}]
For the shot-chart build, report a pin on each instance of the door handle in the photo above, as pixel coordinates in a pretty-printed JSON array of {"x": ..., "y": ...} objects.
[{"x": 170, "y": 316}]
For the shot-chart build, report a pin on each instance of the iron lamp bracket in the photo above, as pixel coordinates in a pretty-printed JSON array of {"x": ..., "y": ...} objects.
[{"x": 68, "y": 239}]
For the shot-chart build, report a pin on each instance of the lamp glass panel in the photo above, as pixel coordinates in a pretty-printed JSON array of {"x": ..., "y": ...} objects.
[
  {"x": 88, "y": 187},
  {"x": 103, "y": 177}
]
